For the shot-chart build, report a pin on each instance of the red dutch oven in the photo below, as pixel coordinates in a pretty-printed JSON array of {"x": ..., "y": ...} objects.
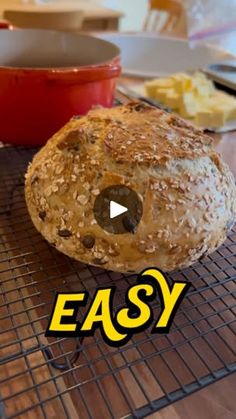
[{"x": 46, "y": 77}]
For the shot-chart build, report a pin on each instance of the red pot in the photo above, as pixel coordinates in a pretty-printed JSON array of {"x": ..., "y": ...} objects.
[
  {"x": 47, "y": 77},
  {"x": 4, "y": 24}
]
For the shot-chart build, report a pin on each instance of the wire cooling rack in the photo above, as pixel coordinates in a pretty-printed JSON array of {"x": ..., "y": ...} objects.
[{"x": 72, "y": 378}]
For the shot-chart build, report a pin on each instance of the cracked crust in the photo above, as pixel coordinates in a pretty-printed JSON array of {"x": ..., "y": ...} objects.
[{"x": 188, "y": 193}]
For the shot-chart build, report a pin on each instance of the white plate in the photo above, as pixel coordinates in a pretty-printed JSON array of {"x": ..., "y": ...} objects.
[{"x": 148, "y": 55}]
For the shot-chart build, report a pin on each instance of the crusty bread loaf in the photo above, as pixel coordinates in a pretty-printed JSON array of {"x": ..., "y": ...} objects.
[{"x": 188, "y": 193}]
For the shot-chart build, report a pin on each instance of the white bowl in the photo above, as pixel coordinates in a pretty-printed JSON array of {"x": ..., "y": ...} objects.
[{"x": 148, "y": 55}]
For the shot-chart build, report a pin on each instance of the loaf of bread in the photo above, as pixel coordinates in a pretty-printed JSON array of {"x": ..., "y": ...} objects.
[{"x": 188, "y": 192}]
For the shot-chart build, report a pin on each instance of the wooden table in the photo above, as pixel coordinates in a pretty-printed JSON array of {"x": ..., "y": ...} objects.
[
  {"x": 215, "y": 401},
  {"x": 95, "y": 17}
]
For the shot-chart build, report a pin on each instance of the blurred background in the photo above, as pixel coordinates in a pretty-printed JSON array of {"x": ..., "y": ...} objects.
[
  {"x": 133, "y": 19},
  {"x": 201, "y": 21}
]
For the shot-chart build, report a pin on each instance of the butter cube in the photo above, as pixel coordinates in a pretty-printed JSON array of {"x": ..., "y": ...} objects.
[
  {"x": 188, "y": 110},
  {"x": 189, "y": 105},
  {"x": 173, "y": 99},
  {"x": 218, "y": 118},
  {"x": 211, "y": 118},
  {"x": 221, "y": 97},
  {"x": 161, "y": 95},
  {"x": 211, "y": 86},
  {"x": 232, "y": 113},
  {"x": 216, "y": 110},
  {"x": 203, "y": 118},
  {"x": 152, "y": 86},
  {"x": 229, "y": 110},
  {"x": 202, "y": 86},
  {"x": 183, "y": 82},
  {"x": 227, "y": 102},
  {"x": 164, "y": 83},
  {"x": 150, "y": 89},
  {"x": 205, "y": 89},
  {"x": 194, "y": 97}
]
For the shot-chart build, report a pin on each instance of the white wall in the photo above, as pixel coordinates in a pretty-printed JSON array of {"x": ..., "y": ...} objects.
[{"x": 134, "y": 10}]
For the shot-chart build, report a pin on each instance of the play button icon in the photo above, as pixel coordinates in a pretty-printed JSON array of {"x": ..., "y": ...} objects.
[{"x": 118, "y": 210}]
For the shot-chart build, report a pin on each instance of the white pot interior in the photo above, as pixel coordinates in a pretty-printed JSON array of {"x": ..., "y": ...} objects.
[{"x": 44, "y": 49}]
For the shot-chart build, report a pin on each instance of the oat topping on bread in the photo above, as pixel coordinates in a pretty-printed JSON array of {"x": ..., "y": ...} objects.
[{"x": 188, "y": 193}]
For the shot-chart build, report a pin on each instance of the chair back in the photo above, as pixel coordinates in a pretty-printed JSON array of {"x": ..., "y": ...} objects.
[
  {"x": 173, "y": 9},
  {"x": 170, "y": 6}
]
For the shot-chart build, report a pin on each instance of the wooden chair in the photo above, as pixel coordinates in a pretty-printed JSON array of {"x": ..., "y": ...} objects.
[
  {"x": 57, "y": 20},
  {"x": 174, "y": 10}
]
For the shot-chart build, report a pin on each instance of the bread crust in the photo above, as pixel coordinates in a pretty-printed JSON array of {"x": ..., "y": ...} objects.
[{"x": 188, "y": 193}]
